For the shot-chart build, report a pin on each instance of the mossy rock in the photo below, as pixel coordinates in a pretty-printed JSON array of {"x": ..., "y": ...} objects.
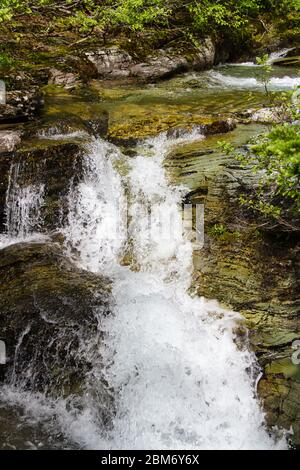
[
  {"x": 247, "y": 269},
  {"x": 50, "y": 315},
  {"x": 63, "y": 124},
  {"x": 175, "y": 124}
]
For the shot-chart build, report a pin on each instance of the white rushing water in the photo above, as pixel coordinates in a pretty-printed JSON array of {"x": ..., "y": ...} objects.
[
  {"x": 276, "y": 83},
  {"x": 179, "y": 378},
  {"x": 272, "y": 58}
]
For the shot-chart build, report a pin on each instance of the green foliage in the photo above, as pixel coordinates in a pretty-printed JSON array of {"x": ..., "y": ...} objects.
[
  {"x": 5, "y": 60},
  {"x": 218, "y": 230},
  {"x": 278, "y": 156},
  {"x": 276, "y": 159},
  {"x": 8, "y": 8},
  {"x": 136, "y": 14},
  {"x": 222, "y": 15},
  {"x": 191, "y": 16}
]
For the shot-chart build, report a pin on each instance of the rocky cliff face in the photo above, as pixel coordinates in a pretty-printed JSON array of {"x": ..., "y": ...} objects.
[{"x": 255, "y": 272}]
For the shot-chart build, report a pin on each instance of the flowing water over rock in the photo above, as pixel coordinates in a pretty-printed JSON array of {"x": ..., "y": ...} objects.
[
  {"x": 23, "y": 204},
  {"x": 171, "y": 359},
  {"x": 166, "y": 369}
]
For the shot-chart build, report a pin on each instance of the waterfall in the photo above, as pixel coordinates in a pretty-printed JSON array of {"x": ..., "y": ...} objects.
[
  {"x": 180, "y": 379},
  {"x": 23, "y": 205},
  {"x": 179, "y": 376}
]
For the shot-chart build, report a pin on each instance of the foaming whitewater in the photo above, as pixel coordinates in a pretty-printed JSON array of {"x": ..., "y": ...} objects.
[
  {"x": 272, "y": 58},
  {"x": 220, "y": 79},
  {"x": 171, "y": 361},
  {"x": 278, "y": 55},
  {"x": 180, "y": 381},
  {"x": 95, "y": 230}
]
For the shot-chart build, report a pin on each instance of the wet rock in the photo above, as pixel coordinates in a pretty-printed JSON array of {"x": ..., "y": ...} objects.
[
  {"x": 294, "y": 51},
  {"x": 281, "y": 400},
  {"x": 256, "y": 273},
  {"x": 21, "y": 105},
  {"x": 68, "y": 80},
  {"x": 23, "y": 434},
  {"x": 5, "y": 165},
  {"x": 54, "y": 164},
  {"x": 177, "y": 125},
  {"x": 214, "y": 126},
  {"x": 160, "y": 66},
  {"x": 287, "y": 62},
  {"x": 99, "y": 126},
  {"x": 9, "y": 140},
  {"x": 115, "y": 63},
  {"x": 221, "y": 126},
  {"x": 70, "y": 124},
  {"x": 291, "y": 58},
  {"x": 111, "y": 62},
  {"x": 50, "y": 318}
]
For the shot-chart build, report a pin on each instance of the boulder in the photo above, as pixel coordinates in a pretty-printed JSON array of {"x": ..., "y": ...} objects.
[
  {"x": 219, "y": 126},
  {"x": 114, "y": 63},
  {"x": 205, "y": 56},
  {"x": 111, "y": 62},
  {"x": 52, "y": 156},
  {"x": 21, "y": 105},
  {"x": 50, "y": 317},
  {"x": 212, "y": 127},
  {"x": 68, "y": 80},
  {"x": 160, "y": 66},
  {"x": 70, "y": 124},
  {"x": 9, "y": 139},
  {"x": 54, "y": 164}
]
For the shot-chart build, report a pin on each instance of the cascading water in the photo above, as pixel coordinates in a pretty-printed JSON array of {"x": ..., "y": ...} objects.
[
  {"x": 179, "y": 378},
  {"x": 170, "y": 371},
  {"x": 23, "y": 204}
]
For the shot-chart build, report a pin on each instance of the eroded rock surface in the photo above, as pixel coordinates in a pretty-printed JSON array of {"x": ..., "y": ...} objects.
[
  {"x": 21, "y": 105},
  {"x": 112, "y": 63},
  {"x": 255, "y": 270},
  {"x": 50, "y": 318},
  {"x": 9, "y": 139}
]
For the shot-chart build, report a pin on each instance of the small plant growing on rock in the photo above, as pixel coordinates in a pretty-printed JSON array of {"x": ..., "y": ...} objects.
[
  {"x": 218, "y": 230},
  {"x": 275, "y": 158}
]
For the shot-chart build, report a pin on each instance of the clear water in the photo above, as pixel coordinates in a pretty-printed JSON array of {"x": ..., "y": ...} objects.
[{"x": 224, "y": 90}]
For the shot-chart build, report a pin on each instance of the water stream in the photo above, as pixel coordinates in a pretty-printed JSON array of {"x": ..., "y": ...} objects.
[
  {"x": 180, "y": 375},
  {"x": 181, "y": 380}
]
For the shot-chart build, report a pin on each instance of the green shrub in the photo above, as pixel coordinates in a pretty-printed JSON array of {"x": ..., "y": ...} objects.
[
  {"x": 218, "y": 230},
  {"x": 190, "y": 16}
]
